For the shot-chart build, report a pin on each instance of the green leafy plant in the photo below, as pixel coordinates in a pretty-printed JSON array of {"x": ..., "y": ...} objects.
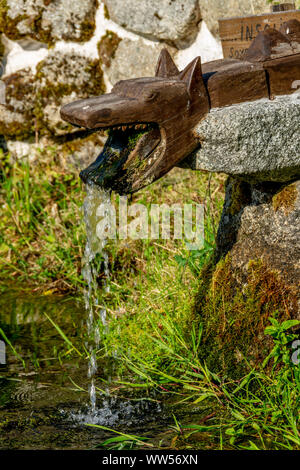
[{"x": 282, "y": 337}]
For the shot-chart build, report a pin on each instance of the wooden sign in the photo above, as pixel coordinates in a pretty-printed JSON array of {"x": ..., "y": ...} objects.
[{"x": 238, "y": 33}]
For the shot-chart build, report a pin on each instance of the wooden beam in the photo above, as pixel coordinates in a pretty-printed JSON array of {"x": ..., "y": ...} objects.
[
  {"x": 237, "y": 83},
  {"x": 284, "y": 75},
  {"x": 271, "y": 44}
]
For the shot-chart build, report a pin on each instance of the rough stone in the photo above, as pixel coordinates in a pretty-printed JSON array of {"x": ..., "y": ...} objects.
[
  {"x": 32, "y": 101},
  {"x": 17, "y": 104},
  {"x": 78, "y": 151},
  {"x": 61, "y": 79},
  {"x": 107, "y": 47},
  {"x": 256, "y": 274},
  {"x": 213, "y": 10},
  {"x": 48, "y": 21},
  {"x": 269, "y": 230},
  {"x": 134, "y": 59},
  {"x": 258, "y": 141},
  {"x": 172, "y": 21},
  {"x": 262, "y": 221}
]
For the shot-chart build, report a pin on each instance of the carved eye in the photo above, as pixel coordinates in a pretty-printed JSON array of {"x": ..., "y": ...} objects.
[{"x": 151, "y": 96}]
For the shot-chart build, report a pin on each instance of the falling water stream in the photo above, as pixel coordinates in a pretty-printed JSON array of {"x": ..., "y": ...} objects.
[{"x": 95, "y": 245}]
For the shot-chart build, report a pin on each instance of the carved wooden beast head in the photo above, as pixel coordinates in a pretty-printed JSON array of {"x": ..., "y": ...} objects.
[{"x": 150, "y": 123}]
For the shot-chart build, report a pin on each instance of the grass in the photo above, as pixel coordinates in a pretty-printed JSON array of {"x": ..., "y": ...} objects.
[
  {"x": 260, "y": 411},
  {"x": 41, "y": 230},
  {"x": 152, "y": 332},
  {"x": 42, "y": 235}
]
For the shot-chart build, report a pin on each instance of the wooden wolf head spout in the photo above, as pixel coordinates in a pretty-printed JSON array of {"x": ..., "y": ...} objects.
[{"x": 150, "y": 124}]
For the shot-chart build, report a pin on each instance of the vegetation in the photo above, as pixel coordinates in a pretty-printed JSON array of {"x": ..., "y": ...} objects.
[
  {"x": 42, "y": 236},
  {"x": 157, "y": 313},
  {"x": 260, "y": 411}
]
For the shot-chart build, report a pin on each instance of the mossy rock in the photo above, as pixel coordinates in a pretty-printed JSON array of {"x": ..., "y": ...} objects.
[
  {"x": 48, "y": 20},
  {"x": 33, "y": 101},
  {"x": 235, "y": 315},
  {"x": 17, "y": 115},
  {"x": 285, "y": 199},
  {"x": 107, "y": 47},
  {"x": 61, "y": 79},
  {"x": 255, "y": 274},
  {"x": 2, "y": 50}
]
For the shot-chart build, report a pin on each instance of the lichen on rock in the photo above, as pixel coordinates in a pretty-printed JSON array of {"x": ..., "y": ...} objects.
[
  {"x": 17, "y": 110},
  {"x": 33, "y": 101},
  {"x": 107, "y": 47},
  {"x": 48, "y": 20},
  {"x": 63, "y": 78}
]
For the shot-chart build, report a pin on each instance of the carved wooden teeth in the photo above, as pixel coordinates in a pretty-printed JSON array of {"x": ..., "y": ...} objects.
[{"x": 128, "y": 126}]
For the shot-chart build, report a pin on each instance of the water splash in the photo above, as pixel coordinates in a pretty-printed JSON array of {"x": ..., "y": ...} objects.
[
  {"x": 114, "y": 411},
  {"x": 95, "y": 245}
]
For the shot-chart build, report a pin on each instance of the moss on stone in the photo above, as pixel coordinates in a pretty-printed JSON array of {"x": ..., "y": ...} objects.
[
  {"x": 19, "y": 99},
  {"x": 106, "y": 12},
  {"x": 28, "y": 95},
  {"x": 9, "y": 25},
  {"x": 285, "y": 199},
  {"x": 240, "y": 196},
  {"x": 50, "y": 92},
  {"x": 107, "y": 47},
  {"x": 75, "y": 145},
  {"x": 88, "y": 26},
  {"x": 2, "y": 49},
  {"x": 234, "y": 316}
]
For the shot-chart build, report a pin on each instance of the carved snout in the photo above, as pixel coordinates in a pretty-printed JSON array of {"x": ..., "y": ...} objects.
[{"x": 104, "y": 111}]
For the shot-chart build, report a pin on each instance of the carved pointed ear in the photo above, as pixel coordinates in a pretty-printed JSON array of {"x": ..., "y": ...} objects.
[
  {"x": 165, "y": 66},
  {"x": 192, "y": 76}
]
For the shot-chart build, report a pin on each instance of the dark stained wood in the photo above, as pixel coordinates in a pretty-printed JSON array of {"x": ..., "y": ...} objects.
[
  {"x": 176, "y": 102},
  {"x": 292, "y": 29},
  {"x": 270, "y": 44},
  {"x": 215, "y": 65},
  {"x": 238, "y": 33},
  {"x": 237, "y": 83},
  {"x": 284, "y": 75},
  {"x": 170, "y": 105},
  {"x": 165, "y": 66}
]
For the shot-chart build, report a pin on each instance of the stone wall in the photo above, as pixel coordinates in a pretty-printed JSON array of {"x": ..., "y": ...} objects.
[{"x": 55, "y": 51}]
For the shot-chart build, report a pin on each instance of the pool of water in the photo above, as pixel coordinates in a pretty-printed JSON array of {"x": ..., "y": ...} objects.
[{"x": 44, "y": 399}]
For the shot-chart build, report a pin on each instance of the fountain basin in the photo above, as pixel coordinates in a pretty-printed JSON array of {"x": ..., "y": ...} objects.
[{"x": 258, "y": 141}]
